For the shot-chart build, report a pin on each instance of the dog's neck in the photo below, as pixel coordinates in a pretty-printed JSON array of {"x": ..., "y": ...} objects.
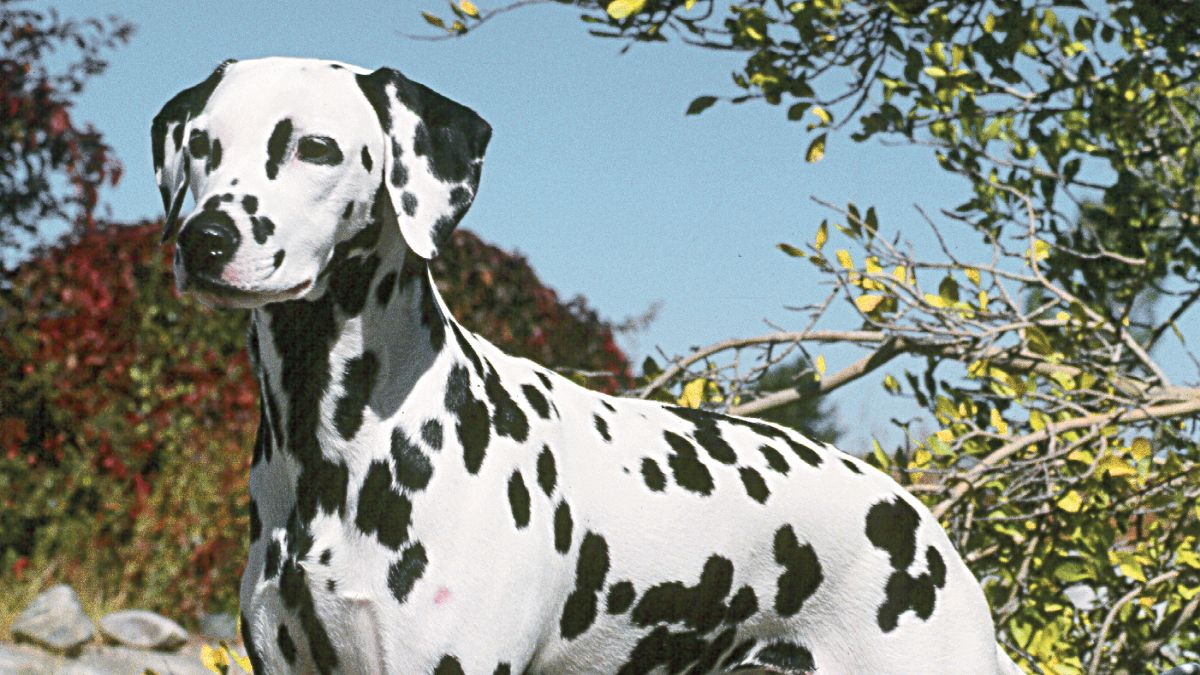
[{"x": 335, "y": 368}]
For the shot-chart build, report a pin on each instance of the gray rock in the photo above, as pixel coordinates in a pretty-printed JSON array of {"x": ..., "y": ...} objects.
[
  {"x": 142, "y": 630},
  {"x": 54, "y": 621},
  {"x": 102, "y": 660},
  {"x": 222, "y": 626}
]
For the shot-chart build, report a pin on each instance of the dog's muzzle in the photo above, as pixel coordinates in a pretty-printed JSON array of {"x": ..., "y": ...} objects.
[{"x": 207, "y": 243}]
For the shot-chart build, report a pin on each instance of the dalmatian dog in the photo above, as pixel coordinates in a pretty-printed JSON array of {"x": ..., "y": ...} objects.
[{"x": 422, "y": 502}]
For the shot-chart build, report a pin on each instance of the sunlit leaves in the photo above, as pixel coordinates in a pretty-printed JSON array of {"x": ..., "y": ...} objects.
[
  {"x": 816, "y": 150},
  {"x": 622, "y": 9}
]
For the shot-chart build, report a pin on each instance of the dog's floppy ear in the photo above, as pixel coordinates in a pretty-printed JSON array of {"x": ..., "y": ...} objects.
[
  {"x": 170, "y": 146},
  {"x": 433, "y": 153}
]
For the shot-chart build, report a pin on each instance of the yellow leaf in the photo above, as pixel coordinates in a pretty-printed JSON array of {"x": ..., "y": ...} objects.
[
  {"x": 844, "y": 259},
  {"x": 867, "y": 303},
  {"x": 1062, "y": 316},
  {"x": 1070, "y": 502},
  {"x": 822, "y": 113},
  {"x": 242, "y": 661},
  {"x": 1188, "y": 593},
  {"x": 621, "y": 9},
  {"x": 921, "y": 457},
  {"x": 973, "y": 275},
  {"x": 693, "y": 393},
  {"x": 945, "y": 436},
  {"x": 816, "y": 150},
  {"x": 1115, "y": 466},
  {"x": 900, "y": 274},
  {"x": 873, "y": 266},
  {"x": 469, "y": 8},
  {"x": 1041, "y": 250},
  {"x": 822, "y": 235},
  {"x": 1037, "y": 420},
  {"x": 998, "y": 422},
  {"x": 821, "y": 365},
  {"x": 214, "y": 659},
  {"x": 936, "y": 300},
  {"x": 688, "y": 5},
  {"x": 1140, "y": 448},
  {"x": 989, "y": 23},
  {"x": 754, "y": 34},
  {"x": 983, "y": 301},
  {"x": 1082, "y": 456}
]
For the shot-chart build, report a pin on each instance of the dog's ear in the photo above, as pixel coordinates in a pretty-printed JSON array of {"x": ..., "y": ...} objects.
[
  {"x": 170, "y": 146},
  {"x": 433, "y": 154}
]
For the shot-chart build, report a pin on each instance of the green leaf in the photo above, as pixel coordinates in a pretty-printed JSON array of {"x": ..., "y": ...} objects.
[
  {"x": 816, "y": 150},
  {"x": 700, "y": 104},
  {"x": 433, "y": 20}
]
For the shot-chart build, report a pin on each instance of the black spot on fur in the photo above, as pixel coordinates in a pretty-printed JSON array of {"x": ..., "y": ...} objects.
[
  {"x": 326, "y": 556},
  {"x": 654, "y": 477},
  {"x": 701, "y": 607},
  {"x": 738, "y": 655},
  {"x": 255, "y": 521},
  {"x": 536, "y": 400},
  {"x": 786, "y": 656},
  {"x": 805, "y": 453},
  {"x": 399, "y": 175},
  {"x": 467, "y": 349},
  {"x": 690, "y": 473},
  {"x": 431, "y": 433},
  {"x": 408, "y": 201},
  {"x": 366, "y": 159},
  {"x": 518, "y": 500},
  {"x": 602, "y": 427},
  {"x": 473, "y": 426},
  {"x": 381, "y": 510},
  {"x": 707, "y": 434},
  {"x": 297, "y": 597},
  {"x": 460, "y": 197},
  {"x": 431, "y": 316},
  {"x": 286, "y": 646},
  {"x": 330, "y": 585},
  {"x": 620, "y": 596},
  {"x": 892, "y": 527},
  {"x": 608, "y": 406},
  {"x": 562, "y": 528},
  {"x": 212, "y": 203},
  {"x": 348, "y": 211},
  {"x": 546, "y": 381},
  {"x": 350, "y": 282},
  {"x": 278, "y": 259},
  {"x": 507, "y": 416},
  {"x": 277, "y": 145},
  {"x": 774, "y": 459},
  {"x": 214, "y": 159},
  {"x": 801, "y": 572},
  {"x": 383, "y": 292},
  {"x": 449, "y": 665},
  {"x": 590, "y": 571},
  {"x": 852, "y": 466},
  {"x": 755, "y": 486},
  {"x": 271, "y": 562},
  {"x": 413, "y": 468},
  {"x": 407, "y": 571},
  {"x": 547, "y": 473},
  {"x": 262, "y": 227},
  {"x": 502, "y": 669},
  {"x": 358, "y": 380},
  {"x": 743, "y": 605}
]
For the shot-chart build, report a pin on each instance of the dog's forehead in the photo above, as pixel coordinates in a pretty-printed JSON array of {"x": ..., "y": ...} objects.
[{"x": 316, "y": 95}]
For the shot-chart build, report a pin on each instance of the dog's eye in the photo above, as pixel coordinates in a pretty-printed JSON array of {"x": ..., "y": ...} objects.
[
  {"x": 198, "y": 144},
  {"x": 319, "y": 150}
]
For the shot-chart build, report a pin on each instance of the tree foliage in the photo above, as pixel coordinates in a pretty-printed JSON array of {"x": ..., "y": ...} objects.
[
  {"x": 50, "y": 166},
  {"x": 1063, "y": 460}
]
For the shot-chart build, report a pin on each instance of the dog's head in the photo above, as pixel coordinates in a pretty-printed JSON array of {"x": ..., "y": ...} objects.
[{"x": 287, "y": 158}]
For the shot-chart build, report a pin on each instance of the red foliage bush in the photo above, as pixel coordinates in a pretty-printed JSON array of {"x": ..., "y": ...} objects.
[{"x": 127, "y": 413}]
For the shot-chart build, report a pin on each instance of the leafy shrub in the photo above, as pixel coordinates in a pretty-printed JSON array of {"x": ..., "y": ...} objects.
[{"x": 127, "y": 414}]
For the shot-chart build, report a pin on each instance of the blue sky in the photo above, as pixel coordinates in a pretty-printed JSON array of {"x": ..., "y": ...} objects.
[{"x": 594, "y": 173}]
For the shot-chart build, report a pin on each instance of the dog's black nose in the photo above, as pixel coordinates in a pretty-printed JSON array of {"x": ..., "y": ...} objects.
[{"x": 208, "y": 241}]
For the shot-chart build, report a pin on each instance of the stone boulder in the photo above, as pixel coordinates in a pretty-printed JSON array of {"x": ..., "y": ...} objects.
[
  {"x": 142, "y": 630},
  {"x": 54, "y": 621}
]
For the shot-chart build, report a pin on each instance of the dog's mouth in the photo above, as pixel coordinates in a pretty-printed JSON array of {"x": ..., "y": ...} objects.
[{"x": 217, "y": 294}]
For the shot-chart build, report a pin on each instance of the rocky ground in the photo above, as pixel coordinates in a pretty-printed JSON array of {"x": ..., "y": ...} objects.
[{"x": 54, "y": 635}]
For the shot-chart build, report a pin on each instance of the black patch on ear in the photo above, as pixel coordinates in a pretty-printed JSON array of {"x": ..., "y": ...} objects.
[
  {"x": 366, "y": 159},
  {"x": 409, "y": 202},
  {"x": 602, "y": 427},
  {"x": 562, "y": 527},
  {"x": 286, "y": 646},
  {"x": 277, "y": 146},
  {"x": 801, "y": 572},
  {"x": 690, "y": 473},
  {"x": 262, "y": 227},
  {"x": 755, "y": 486},
  {"x": 250, "y": 204},
  {"x": 382, "y": 511},
  {"x": 536, "y": 400},
  {"x": 183, "y": 106},
  {"x": 892, "y": 527},
  {"x": 460, "y": 198},
  {"x": 590, "y": 571},
  {"x": 383, "y": 292},
  {"x": 431, "y": 433},
  {"x": 620, "y": 596},
  {"x": 449, "y": 665},
  {"x": 518, "y": 500},
  {"x": 358, "y": 381},
  {"x": 547, "y": 473},
  {"x": 278, "y": 259},
  {"x": 413, "y": 468},
  {"x": 655, "y": 479},
  {"x": 407, "y": 571}
]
